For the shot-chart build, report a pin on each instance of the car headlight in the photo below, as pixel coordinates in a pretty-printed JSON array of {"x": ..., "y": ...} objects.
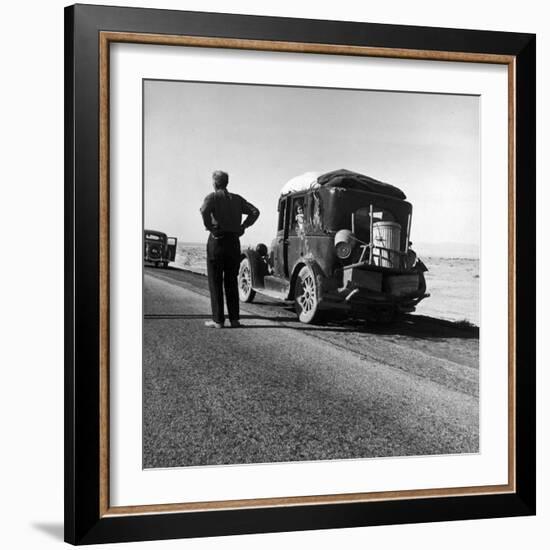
[
  {"x": 261, "y": 250},
  {"x": 344, "y": 243}
]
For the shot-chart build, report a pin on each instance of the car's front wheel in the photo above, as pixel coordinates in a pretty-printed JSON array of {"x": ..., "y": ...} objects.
[
  {"x": 246, "y": 292},
  {"x": 306, "y": 295}
]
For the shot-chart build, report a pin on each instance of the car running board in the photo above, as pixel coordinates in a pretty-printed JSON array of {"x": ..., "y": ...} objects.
[{"x": 275, "y": 287}]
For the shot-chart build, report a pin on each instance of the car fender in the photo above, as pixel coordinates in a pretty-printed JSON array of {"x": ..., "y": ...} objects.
[
  {"x": 420, "y": 266},
  {"x": 320, "y": 277},
  {"x": 257, "y": 267},
  {"x": 422, "y": 281}
]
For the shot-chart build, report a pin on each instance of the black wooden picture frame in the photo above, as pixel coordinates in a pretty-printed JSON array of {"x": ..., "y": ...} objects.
[{"x": 88, "y": 518}]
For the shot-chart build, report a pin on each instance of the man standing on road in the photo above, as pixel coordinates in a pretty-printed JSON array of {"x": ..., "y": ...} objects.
[{"x": 222, "y": 214}]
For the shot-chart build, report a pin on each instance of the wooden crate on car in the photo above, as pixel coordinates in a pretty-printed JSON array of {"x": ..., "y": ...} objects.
[{"x": 401, "y": 285}]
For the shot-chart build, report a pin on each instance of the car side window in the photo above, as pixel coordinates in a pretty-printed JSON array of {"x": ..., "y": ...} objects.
[
  {"x": 280, "y": 225},
  {"x": 315, "y": 211},
  {"x": 298, "y": 215}
]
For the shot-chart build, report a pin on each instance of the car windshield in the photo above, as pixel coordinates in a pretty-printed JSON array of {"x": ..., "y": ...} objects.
[
  {"x": 361, "y": 221},
  {"x": 350, "y": 209}
]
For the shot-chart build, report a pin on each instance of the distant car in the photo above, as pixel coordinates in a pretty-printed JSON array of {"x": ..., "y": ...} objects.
[
  {"x": 158, "y": 248},
  {"x": 342, "y": 243}
]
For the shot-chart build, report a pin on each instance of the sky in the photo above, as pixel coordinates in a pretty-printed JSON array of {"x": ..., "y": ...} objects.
[{"x": 428, "y": 145}]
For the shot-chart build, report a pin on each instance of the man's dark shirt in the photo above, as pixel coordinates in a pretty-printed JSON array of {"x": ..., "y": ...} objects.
[{"x": 222, "y": 213}]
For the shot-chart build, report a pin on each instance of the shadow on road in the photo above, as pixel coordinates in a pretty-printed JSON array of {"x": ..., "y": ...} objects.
[{"x": 417, "y": 326}]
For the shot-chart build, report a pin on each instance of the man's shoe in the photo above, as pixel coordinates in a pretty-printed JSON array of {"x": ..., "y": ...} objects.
[
  {"x": 213, "y": 324},
  {"x": 235, "y": 324}
]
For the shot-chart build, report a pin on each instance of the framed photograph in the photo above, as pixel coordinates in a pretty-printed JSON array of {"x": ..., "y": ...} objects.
[{"x": 300, "y": 274}]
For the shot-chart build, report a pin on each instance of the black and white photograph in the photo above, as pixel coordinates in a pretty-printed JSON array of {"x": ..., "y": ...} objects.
[
  {"x": 285, "y": 279},
  {"x": 311, "y": 274}
]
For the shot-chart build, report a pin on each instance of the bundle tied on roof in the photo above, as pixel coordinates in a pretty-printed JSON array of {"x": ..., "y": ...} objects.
[{"x": 340, "y": 178}]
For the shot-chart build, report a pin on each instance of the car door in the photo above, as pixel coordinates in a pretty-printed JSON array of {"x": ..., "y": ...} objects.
[
  {"x": 296, "y": 239},
  {"x": 280, "y": 244}
]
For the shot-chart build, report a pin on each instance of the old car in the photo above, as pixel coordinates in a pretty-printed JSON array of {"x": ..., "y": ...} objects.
[
  {"x": 342, "y": 243},
  {"x": 158, "y": 248}
]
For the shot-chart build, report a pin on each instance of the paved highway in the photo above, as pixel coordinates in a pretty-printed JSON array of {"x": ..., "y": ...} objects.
[{"x": 277, "y": 390}]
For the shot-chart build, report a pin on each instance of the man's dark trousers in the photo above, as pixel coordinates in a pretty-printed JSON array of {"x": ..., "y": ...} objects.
[{"x": 223, "y": 256}]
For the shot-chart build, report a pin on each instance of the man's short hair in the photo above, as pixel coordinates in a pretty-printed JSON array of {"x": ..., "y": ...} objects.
[{"x": 220, "y": 179}]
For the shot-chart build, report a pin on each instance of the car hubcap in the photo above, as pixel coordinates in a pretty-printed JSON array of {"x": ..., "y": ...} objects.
[
  {"x": 307, "y": 297},
  {"x": 245, "y": 280}
]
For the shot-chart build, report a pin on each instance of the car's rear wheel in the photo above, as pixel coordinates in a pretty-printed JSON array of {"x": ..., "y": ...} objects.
[
  {"x": 306, "y": 295},
  {"x": 246, "y": 292}
]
